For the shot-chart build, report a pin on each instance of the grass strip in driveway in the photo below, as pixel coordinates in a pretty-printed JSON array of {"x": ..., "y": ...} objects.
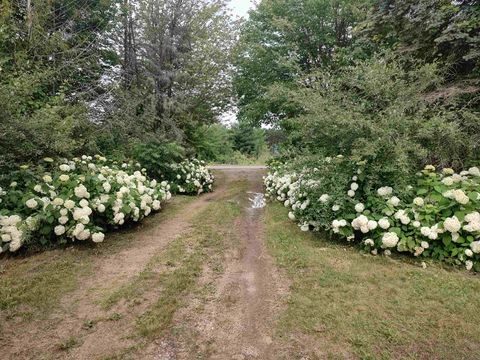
[{"x": 210, "y": 229}]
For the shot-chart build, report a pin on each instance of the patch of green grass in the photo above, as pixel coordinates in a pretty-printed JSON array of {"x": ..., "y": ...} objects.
[
  {"x": 151, "y": 276},
  {"x": 115, "y": 316},
  {"x": 210, "y": 229},
  {"x": 38, "y": 282},
  {"x": 352, "y": 304},
  {"x": 67, "y": 344},
  {"x": 32, "y": 286}
]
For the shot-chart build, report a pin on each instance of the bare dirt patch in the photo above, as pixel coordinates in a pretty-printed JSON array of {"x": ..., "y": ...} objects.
[{"x": 233, "y": 315}]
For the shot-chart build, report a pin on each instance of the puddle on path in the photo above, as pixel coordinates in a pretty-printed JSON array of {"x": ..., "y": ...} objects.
[{"x": 257, "y": 201}]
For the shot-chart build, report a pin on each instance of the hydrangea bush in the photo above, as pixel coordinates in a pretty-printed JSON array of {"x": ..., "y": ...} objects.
[
  {"x": 78, "y": 200},
  {"x": 192, "y": 177},
  {"x": 437, "y": 217}
]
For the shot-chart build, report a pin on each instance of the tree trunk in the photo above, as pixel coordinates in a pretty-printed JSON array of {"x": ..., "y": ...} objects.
[{"x": 29, "y": 19}]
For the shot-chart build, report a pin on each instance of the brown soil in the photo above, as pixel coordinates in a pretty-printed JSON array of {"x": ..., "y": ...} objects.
[{"x": 235, "y": 321}]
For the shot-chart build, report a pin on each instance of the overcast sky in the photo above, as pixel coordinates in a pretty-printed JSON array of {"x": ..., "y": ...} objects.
[{"x": 241, "y": 7}]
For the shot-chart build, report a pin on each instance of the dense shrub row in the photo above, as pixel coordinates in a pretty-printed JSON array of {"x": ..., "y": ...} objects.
[
  {"x": 192, "y": 177},
  {"x": 437, "y": 217},
  {"x": 82, "y": 198}
]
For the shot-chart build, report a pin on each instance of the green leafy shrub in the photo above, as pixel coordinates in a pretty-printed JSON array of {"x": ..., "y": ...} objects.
[
  {"x": 78, "y": 200},
  {"x": 437, "y": 217},
  {"x": 159, "y": 158},
  {"x": 192, "y": 177},
  {"x": 211, "y": 143},
  {"x": 381, "y": 113}
]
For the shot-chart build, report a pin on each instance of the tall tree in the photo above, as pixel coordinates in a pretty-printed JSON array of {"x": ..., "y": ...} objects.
[
  {"x": 50, "y": 64},
  {"x": 442, "y": 31},
  {"x": 284, "y": 40},
  {"x": 180, "y": 57}
]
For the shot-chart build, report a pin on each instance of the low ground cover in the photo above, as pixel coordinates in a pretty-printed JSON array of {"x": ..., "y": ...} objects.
[{"x": 345, "y": 304}]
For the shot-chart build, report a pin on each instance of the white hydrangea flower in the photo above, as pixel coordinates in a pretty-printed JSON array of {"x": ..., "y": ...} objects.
[
  {"x": 156, "y": 205},
  {"x": 384, "y": 191},
  {"x": 452, "y": 224},
  {"x": 369, "y": 242},
  {"x": 15, "y": 244},
  {"x": 384, "y": 223},
  {"x": 418, "y": 251},
  {"x": 324, "y": 198},
  {"x": 475, "y": 246},
  {"x": 81, "y": 191},
  {"x": 403, "y": 217},
  {"x": 305, "y": 227},
  {"x": 448, "y": 181},
  {"x": 47, "y": 178},
  {"x": 389, "y": 240},
  {"x": 468, "y": 252},
  {"x": 98, "y": 237},
  {"x": 424, "y": 244},
  {"x": 64, "y": 177},
  {"x": 107, "y": 187},
  {"x": 359, "y": 207},
  {"x": 468, "y": 265},
  {"x": 31, "y": 203},
  {"x": 69, "y": 204},
  {"x": 474, "y": 171},
  {"x": 473, "y": 220},
  {"x": 372, "y": 225},
  {"x": 305, "y": 204},
  {"x": 425, "y": 231},
  {"x": 57, "y": 201},
  {"x": 460, "y": 196},
  {"x": 59, "y": 230},
  {"x": 394, "y": 201},
  {"x": 351, "y": 193},
  {"x": 354, "y": 186},
  {"x": 336, "y": 207},
  {"x": 361, "y": 223},
  {"x": 83, "y": 203},
  {"x": 418, "y": 201},
  {"x": 6, "y": 237}
]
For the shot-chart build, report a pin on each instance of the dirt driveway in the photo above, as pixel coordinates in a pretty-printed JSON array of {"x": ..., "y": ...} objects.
[{"x": 227, "y": 312}]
